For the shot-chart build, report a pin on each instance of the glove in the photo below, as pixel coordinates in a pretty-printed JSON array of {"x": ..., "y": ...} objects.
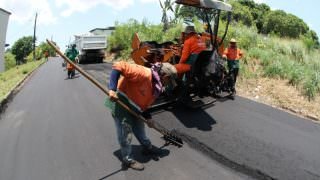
[{"x": 113, "y": 95}]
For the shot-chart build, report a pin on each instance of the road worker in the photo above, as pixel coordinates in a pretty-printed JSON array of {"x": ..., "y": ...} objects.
[
  {"x": 233, "y": 54},
  {"x": 192, "y": 46},
  {"x": 206, "y": 38},
  {"x": 46, "y": 55},
  {"x": 71, "y": 53},
  {"x": 138, "y": 87}
]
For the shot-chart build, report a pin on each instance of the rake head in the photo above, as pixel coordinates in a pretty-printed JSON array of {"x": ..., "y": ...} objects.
[{"x": 173, "y": 139}]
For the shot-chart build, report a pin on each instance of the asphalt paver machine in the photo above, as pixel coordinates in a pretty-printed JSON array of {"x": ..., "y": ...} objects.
[{"x": 208, "y": 78}]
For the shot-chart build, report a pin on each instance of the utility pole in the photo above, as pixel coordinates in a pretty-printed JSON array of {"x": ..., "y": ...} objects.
[{"x": 34, "y": 37}]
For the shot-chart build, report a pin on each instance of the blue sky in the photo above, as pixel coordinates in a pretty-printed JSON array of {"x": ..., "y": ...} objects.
[{"x": 61, "y": 19}]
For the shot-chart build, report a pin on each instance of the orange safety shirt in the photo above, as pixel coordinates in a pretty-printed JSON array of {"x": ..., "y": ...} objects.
[
  {"x": 136, "y": 83},
  {"x": 233, "y": 53},
  {"x": 70, "y": 67},
  {"x": 192, "y": 45},
  {"x": 206, "y": 38}
]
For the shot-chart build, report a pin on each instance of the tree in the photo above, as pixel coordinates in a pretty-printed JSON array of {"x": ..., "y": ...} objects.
[
  {"x": 242, "y": 14},
  {"x": 283, "y": 24},
  {"x": 313, "y": 35},
  {"x": 44, "y": 46},
  {"x": 22, "y": 48},
  {"x": 176, "y": 13},
  {"x": 311, "y": 40},
  {"x": 258, "y": 14},
  {"x": 166, "y": 6}
]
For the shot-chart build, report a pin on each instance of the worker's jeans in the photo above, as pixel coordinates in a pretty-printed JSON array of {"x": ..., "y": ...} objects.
[{"x": 125, "y": 129}]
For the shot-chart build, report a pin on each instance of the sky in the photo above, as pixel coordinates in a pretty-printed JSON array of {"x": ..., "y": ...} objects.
[{"x": 60, "y": 20}]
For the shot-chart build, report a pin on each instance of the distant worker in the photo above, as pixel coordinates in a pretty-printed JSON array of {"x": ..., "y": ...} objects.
[
  {"x": 137, "y": 87},
  {"x": 192, "y": 46},
  {"x": 71, "y": 53},
  {"x": 233, "y": 54},
  {"x": 46, "y": 55}
]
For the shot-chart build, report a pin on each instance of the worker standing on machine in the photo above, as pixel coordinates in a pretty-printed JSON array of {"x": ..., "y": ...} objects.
[{"x": 192, "y": 46}]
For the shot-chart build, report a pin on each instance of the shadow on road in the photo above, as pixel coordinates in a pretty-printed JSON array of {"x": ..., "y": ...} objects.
[
  {"x": 137, "y": 155},
  {"x": 194, "y": 118},
  {"x": 225, "y": 98},
  {"x": 75, "y": 77}
]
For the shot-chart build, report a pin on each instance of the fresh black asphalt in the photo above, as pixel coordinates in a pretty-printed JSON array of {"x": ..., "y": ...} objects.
[
  {"x": 251, "y": 137},
  {"x": 58, "y": 129}
]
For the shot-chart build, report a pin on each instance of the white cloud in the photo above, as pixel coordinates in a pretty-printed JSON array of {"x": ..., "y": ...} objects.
[
  {"x": 23, "y": 11},
  {"x": 84, "y": 5},
  {"x": 259, "y": 1},
  {"x": 149, "y": 1}
]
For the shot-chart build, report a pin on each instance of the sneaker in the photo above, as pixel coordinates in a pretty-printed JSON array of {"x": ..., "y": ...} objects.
[{"x": 134, "y": 165}]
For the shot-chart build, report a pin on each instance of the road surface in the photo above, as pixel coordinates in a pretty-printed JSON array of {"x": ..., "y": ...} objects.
[
  {"x": 251, "y": 137},
  {"x": 59, "y": 129}
]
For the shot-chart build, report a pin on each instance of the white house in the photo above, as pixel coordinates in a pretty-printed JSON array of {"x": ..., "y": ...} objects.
[{"x": 4, "y": 16}]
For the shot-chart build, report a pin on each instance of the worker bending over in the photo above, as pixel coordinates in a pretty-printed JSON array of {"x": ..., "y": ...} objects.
[{"x": 138, "y": 87}]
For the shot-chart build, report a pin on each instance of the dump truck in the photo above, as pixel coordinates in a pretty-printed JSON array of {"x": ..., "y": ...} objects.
[{"x": 91, "y": 48}]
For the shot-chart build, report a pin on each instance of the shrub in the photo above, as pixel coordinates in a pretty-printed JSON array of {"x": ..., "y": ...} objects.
[
  {"x": 122, "y": 36},
  {"x": 9, "y": 61},
  {"x": 275, "y": 69},
  {"x": 312, "y": 86},
  {"x": 296, "y": 76},
  {"x": 246, "y": 37},
  {"x": 297, "y": 51}
]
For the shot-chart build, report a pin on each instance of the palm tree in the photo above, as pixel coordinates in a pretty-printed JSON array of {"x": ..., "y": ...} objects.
[
  {"x": 176, "y": 13},
  {"x": 166, "y": 6}
]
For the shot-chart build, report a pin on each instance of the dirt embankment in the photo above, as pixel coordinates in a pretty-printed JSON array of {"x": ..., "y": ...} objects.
[{"x": 279, "y": 94}]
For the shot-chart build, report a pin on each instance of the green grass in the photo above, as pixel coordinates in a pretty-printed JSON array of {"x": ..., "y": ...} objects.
[
  {"x": 288, "y": 59},
  {"x": 11, "y": 77}
]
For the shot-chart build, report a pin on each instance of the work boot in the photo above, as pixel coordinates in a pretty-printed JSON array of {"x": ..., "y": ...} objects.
[
  {"x": 152, "y": 150},
  {"x": 134, "y": 165}
]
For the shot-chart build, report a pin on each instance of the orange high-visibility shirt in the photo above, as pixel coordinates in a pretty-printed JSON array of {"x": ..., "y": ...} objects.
[
  {"x": 70, "y": 67},
  {"x": 233, "y": 53},
  {"x": 206, "y": 38},
  {"x": 136, "y": 83},
  {"x": 192, "y": 45}
]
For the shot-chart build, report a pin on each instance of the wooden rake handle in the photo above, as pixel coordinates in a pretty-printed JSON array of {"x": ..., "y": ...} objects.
[{"x": 106, "y": 91}]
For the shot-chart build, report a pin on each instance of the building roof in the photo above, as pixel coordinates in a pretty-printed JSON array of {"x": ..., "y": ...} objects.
[
  {"x": 5, "y": 11},
  {"x": 107, "y": 28}
]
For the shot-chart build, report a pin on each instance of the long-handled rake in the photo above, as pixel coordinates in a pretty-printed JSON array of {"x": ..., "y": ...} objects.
[{"x": 168, "y": 136}]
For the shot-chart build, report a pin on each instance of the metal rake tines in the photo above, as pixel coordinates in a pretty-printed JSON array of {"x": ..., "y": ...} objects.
[
  {"x": 173, "y": 139},
  {"x": 170, "y": 137}
]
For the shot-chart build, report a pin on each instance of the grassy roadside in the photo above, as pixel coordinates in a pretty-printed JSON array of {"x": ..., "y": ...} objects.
[
  {"x": 278, "y": 93},
  {"x": 10, "y": 78}
]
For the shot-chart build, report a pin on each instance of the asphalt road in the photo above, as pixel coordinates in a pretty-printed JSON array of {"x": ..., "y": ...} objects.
[
  {"x": 59, "y": 129},
  {"x": 253, "y": 138}
]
